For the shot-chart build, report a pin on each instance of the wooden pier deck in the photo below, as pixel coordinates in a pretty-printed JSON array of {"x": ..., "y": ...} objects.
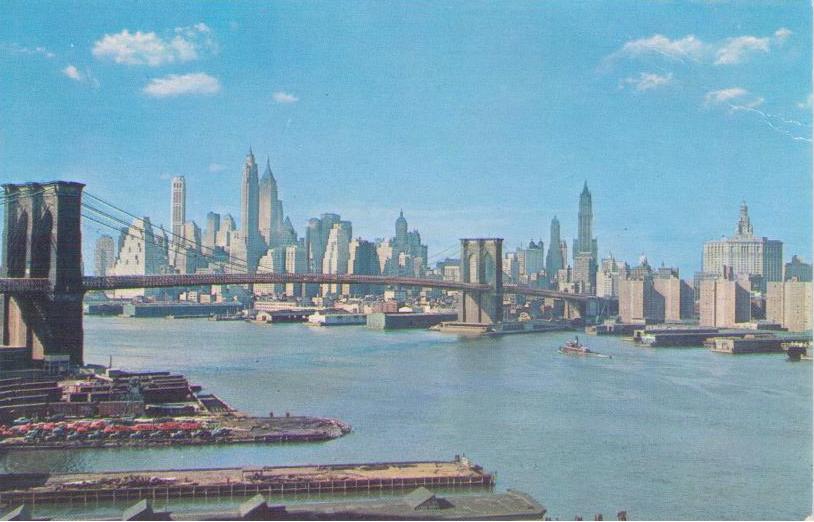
[{"x": 72, "y": 488}]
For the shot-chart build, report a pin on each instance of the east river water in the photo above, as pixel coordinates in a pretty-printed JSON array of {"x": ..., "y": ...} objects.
[{"x": 679, "y": 433}]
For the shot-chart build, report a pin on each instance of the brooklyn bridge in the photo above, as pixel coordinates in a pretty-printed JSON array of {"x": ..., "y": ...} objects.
[{"x": 42, "y": 285}]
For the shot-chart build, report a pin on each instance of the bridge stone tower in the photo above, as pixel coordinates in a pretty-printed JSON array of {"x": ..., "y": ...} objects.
[
  {"x": 482, "y": 263},
  {"x": 43, "y": 239}
]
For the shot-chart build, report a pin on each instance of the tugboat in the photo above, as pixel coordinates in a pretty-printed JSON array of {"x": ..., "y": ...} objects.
[{"x": 573, "y": 347}]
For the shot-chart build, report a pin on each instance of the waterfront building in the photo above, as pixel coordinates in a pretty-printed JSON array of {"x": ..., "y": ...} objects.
[
  {"x": 797, "y": 269},
  {"x": 554, "y": 260},
  {"x": 725, "y": 302},
  {"x": 143, "y": 252},
  {"x": 789, "y": 303},
  {"x": 104, "y": 255},
  {"x": 676, "y": 296},
  {"x": 178, "y": 206},
  {"x": 639, "y": 302},
  {"x": 758, "y": 258},
  {"x": 654, "y": 296}
]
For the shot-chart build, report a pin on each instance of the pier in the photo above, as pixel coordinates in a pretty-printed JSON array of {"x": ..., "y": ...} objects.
[{"x": 72, "y": 488}]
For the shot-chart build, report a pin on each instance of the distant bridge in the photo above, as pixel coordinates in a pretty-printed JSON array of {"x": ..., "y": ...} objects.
[
  {"x": 36, "y": 286},
  {"x": 42, "y": 287}
]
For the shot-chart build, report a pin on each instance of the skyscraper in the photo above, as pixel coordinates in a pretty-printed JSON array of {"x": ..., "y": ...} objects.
[
  {"x": 270, "y": 213},
  {"x": 178, "y": 213},
  {"x": 337, "y": 254},
  {"x": 104, "y": 255},
  {"x": 586, "y": 216},
  {"x": 554, "y": 260},
  {"x": 585, "y": 248},
  {"x": 179, "y": 204},
  {"x": 745, "y": 254},
  {"x": 249, "y": 214}
]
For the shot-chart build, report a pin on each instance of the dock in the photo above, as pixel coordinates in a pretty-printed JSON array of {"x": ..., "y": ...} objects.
[
  {"x": 733, "y": 345},
  {"x": 71, "y": 488}
]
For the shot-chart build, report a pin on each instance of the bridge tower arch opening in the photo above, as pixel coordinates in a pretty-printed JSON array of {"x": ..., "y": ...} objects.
[
  {"x": 481, "y": 263},
  {"x": 43, "y": 239}
]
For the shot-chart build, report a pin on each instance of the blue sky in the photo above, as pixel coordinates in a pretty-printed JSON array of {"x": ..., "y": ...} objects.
[{"x": 476, "y": 118}]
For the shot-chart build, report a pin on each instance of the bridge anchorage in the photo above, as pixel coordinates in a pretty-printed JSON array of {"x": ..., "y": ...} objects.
[{"x": 41, "y": 283}]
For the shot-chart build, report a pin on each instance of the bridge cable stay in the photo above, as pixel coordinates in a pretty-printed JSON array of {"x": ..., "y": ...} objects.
[
  {"x": 173, "y": 247},
  {"x": 183, "y": 240}
]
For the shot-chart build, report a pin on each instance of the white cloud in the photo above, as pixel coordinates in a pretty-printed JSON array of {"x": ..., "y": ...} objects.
[
  {"x": 216, "y": 167},
  {"x": 182, "y": 84},
  {"x": 15, "y": 48},
  {"x": 72, "y": 72},
  {"x": 782, "y": 33},
  {"x": 284, "y": 97},
  {"x": 687, "y": 47},
  {"x": 646, "y": 81},
  {"x": 140, "y": 48},
  {"x": 724, "y": 95},
  {"x": 729, "y": 51},
  {"x": 735, "y": 97},
  {"x": 735, "y": 50},
  {"x": 807, "y": 103}
]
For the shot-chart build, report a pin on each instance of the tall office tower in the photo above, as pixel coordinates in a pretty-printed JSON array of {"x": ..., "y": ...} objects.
[
  {"x": 104, "y": 255},
  {"x": 188, "y": 256},
  {"x": 142, "y": 253},
  {"x": 271, "y": 209},
  {"x": 530, "y": 259},
  {"x": 226, "y": 232},
  {"x": 327, "y": 222},
  {"x": 585, "y": 246},
  {"x": 758, "y": 258},
  {"x": 210, "y": 237},
  {"x": 585, "y": 243},
  {"x": 178, "y": 213},
  {"x": 273, "y": 261},
  {"x": 179, "y": 204},
  {"x": 363, "y": 260},
  {"x": 249, "y": 217},
  {"x": 400, "y": 240},
  {"x": 314, "y": 247},
  {"x": 554, "y": 261},
  {"x": 296, "y": 262},
  {"x": 337, "y": 254}
]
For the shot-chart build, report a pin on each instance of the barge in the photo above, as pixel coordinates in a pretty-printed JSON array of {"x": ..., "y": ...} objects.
[{"x": 69, "y": 488}]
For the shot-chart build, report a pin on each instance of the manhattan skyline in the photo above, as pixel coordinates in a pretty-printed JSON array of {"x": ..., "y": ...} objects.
[{"x": 484, "y": 121}]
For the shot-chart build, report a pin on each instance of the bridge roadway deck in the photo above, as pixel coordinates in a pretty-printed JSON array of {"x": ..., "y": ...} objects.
[{"x": 39, "y": 286}]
